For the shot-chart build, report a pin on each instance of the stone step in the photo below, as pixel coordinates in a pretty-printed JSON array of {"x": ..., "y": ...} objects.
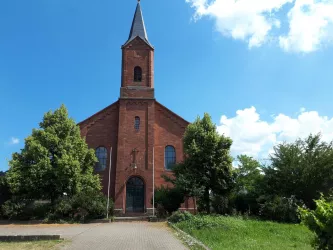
[{"x": 131, "y": 218}]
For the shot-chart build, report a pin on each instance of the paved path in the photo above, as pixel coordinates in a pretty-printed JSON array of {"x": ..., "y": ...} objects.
[{"x": 118, "y": 236}]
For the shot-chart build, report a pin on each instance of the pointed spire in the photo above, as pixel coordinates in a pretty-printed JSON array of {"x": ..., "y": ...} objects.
[{"x": 138, "y": 28}]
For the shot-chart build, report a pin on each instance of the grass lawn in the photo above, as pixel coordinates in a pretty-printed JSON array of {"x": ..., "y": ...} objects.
[
  {"x": 33, "y": 245},
  {"x": 219, "y": 232}
]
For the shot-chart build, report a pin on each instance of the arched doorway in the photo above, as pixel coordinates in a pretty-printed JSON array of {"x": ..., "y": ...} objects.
[{"x": 135, "y": 195}]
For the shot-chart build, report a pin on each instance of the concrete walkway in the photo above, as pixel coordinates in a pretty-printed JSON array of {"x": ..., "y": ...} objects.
[{"x": 119, "y": 235}]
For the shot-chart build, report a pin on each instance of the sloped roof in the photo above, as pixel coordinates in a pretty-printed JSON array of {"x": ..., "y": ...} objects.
[{"x": 138, "y": 28}]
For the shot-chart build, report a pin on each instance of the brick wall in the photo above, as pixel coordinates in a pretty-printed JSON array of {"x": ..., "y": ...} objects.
[
  {"x": 137, "y": 53},
  {"x": 129, "y": 139},
  {"x": 101, "y": 130}
]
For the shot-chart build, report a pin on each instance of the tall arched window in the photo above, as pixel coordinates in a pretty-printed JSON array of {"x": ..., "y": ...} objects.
[
  {"x": 137, "y": 123},
  {"x": 137, "y": 74},
  {"x": 169, "y": 157},
  {"x": 102, "y": 155}
]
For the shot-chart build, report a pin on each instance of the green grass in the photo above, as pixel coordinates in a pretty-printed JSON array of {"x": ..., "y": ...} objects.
[
  {"x": 219, "y": 232},
  {"x": 31, "y": 245}
]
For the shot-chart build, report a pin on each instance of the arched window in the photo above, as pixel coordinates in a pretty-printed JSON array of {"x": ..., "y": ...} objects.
[
  {"x": 137, "y": 74},
  {"x": 169, "y": 157},
  {"x": 102, "y": 155},
  {"x": 137, "y": 123}
]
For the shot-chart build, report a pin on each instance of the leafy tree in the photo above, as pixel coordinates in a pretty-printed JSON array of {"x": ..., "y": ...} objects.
[
  {"x": 207, "y": 166},
  {"x": 248, "y": 174},
  {"x": 248, "y": 180},
  {"x": 303, "y": 169},
  {"x": 55, "y": 160},
  {"x": 320, "y": 221}
]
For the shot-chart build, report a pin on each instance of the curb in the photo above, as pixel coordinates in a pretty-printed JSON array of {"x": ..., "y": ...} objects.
[
  {"x": 189, "y": 240},
  {"x": 20, "y": 238}
]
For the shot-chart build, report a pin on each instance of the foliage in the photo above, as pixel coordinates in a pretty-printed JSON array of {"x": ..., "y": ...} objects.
[
  {"x": 233, "y": 233},
  {"x": 180, "y": 216},
  {"x": 220, "y": 204},
  {"x": 4, "y": 190},
  {"x": 207, "y": 165},
  {"x": 161, "y": 212},
  {"x": 16, "y": 209},
  {"x": 279, "y": 209},
  {"x": 303, "y": 169},
  {"x": 80, "y": 207},
  {"x": 21, "y": 209},
  {"x": 247, "y": 174},
  {"x": 248, "y": 182},
  {"x": 320, "y": 221},
  {"x": 55, "y": 160},
  {"x": 168, "y": 198}
]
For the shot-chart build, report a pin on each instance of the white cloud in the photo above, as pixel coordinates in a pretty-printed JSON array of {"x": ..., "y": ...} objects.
[
  {"x": 310, "y": 21},
  {"x": 14, "y": 141},
  {"x": 255, "y": 137},
  {"x": 310, "y": 25}
]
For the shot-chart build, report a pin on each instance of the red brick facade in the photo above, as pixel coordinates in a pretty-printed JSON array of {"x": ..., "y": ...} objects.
[{"x": 114, "y": 128}]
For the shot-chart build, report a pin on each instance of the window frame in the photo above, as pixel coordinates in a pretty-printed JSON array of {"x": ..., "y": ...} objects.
[
  {"x": 137, "y": 77},
  {"x": 167, "y": 158},
  {"x": 137, "y": 123},
  {"x": 100, "y": 167}
]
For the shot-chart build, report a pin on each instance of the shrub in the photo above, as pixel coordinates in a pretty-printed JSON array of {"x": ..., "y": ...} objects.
[
  {"x": 168, "y": 198},
  {"x": 16, "y": 209},
  {"x": 320, "y": 221},
  {"x": 22, "y": 209},
  {"x": 80, "y": 207},
  {"x": 279, "y": 209},
  {"x": 161, "y": 212},
  {"x": 180, "y": 216}
]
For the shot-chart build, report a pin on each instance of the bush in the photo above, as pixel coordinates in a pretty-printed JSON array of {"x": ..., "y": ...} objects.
[
  {"x": 80, "y": 207},
  {"x": 170, "y": 199},
  {"x": 180, "y": 216},
  {"x": 21, "y": 209},
  {"x": 279, "y": 209},
  {"x": 161, "y": 212},
  {"x": 320, "y": 221}
]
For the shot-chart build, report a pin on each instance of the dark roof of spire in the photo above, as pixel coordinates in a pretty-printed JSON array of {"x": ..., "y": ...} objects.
[{"x": 138, "y": 28}]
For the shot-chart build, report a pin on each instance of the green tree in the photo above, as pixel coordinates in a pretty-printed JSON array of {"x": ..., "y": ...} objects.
[
  {"x": 248, "y": 180},
  {"x": 248, "y": 174},
  {"x": 303, "y": 168},
  {"x": 207, "y": 167},
  {"x": 55, "y": 160}
]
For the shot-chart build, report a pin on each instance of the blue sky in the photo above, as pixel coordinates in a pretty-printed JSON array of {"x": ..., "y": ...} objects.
[{"x": 263, "y": 72}]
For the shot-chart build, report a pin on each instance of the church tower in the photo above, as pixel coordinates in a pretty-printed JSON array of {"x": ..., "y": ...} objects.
[
  {"x": 137, "y": 79},
  {"x": 136, "y": 139}
]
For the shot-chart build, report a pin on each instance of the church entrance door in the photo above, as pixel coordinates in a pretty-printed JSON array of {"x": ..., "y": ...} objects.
[{"x": 135, "y": 195}]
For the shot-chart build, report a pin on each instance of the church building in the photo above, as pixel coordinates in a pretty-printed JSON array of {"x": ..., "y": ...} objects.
[{"x": 136, "y": 139}]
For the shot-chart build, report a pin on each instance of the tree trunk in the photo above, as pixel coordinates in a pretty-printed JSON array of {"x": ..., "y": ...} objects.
[{"x": 207, "y": 200}]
